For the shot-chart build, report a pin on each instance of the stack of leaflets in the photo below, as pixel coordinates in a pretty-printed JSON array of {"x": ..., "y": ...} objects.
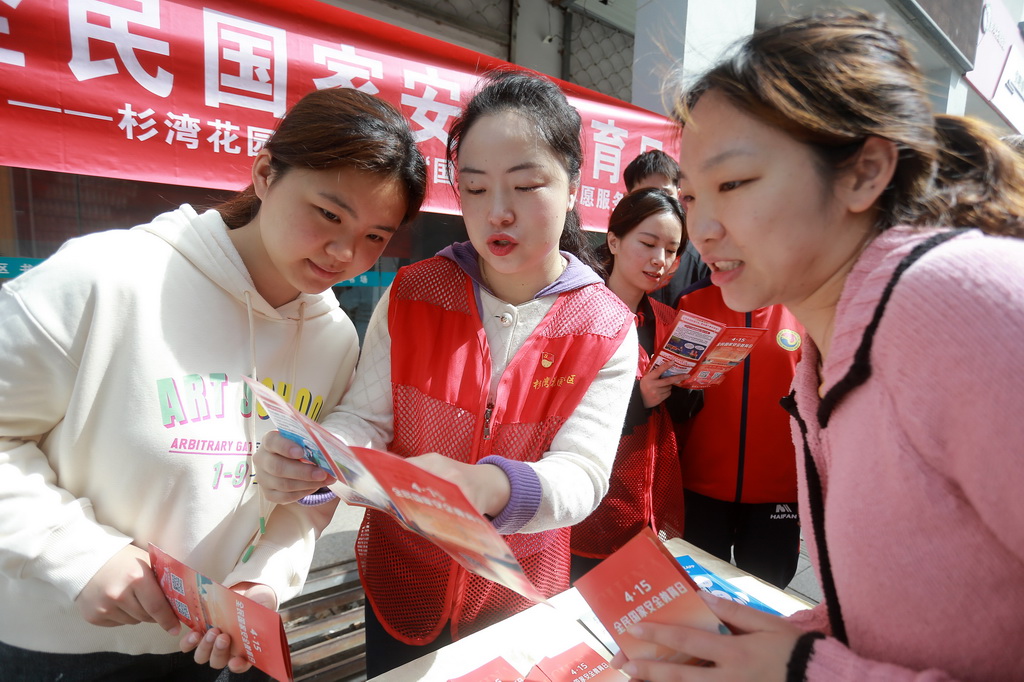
[
  {"x": 576, "y": 664},
  {"x": 700, "y": 351}
]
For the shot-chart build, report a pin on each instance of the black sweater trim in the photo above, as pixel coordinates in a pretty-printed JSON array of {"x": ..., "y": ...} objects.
[
  {"x": 860, "y": 370},
  {"x": 796, "y": 667},
  {"x": 816, "y": 504}
]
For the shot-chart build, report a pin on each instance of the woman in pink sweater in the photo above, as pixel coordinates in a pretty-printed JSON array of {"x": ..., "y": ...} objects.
[{"x": 803, "y": 156}]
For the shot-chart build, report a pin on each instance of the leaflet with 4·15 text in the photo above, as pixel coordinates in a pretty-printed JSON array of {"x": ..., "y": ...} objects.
[
  {"x": 426, "y": 504},
  {"x": 700, "y": 351}
]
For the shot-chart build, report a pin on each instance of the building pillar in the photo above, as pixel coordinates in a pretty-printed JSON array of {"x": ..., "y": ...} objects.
[
  {"x": 948, "y": 91},
  {"x": 682, "y": 37},
  {"x": 956, "y": 97},
  {"x": 536, "y": 40}
]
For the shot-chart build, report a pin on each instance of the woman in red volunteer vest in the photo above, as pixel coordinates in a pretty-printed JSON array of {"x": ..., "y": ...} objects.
[
  {"x": 501, "y": 364},
  {"x": 645, "y": 234}
]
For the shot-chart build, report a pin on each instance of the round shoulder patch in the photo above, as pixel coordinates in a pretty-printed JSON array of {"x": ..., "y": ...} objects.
[{"x": 788, "y": 339}]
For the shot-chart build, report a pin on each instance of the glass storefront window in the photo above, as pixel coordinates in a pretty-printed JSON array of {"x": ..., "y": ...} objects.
[{"x": 40, "y": 210}]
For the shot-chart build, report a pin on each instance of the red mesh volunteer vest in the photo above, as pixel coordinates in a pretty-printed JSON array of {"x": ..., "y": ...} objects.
[
  {"x": 646, "y": 484},
  {"x": 440, "y": 373}
]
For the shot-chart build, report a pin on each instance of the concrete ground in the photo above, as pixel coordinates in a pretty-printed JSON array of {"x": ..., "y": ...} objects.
[
  {"x": 805, "y": 583},
  {"x": 337, "y": 543}
]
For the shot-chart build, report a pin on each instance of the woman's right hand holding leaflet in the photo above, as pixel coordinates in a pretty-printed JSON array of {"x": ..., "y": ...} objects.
[
  {"x": 283, "y": 472},
  {"x": 125, "y": 592}
]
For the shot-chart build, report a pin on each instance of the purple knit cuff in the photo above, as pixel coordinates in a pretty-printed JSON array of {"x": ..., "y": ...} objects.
[
  {"x": 525, "y": 498},
  {"x": 321, "y": 496}
]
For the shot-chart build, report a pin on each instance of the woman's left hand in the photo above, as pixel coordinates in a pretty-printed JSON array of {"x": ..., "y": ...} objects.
[
  {"x": 214, "y": 646},
  {"x": 758, "y": 652},
  {"x": 654, "y": 388},
  {"x": 485, "y": 485}
]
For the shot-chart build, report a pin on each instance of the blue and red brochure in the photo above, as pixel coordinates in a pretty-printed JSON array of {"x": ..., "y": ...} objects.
[{"x": 422, "y": 502}]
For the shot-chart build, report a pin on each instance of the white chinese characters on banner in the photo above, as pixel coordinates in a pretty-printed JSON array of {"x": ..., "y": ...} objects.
[
  {"x": 346, "y": 68},
  {"x": 118, "y": 34},
  {"x": 258, "y": 56},
  {"x": 609, "y": 141},
  {"x": 12, "y": 57},
  {"x": 202, "y": 84},
  {"x": 427, "y": 104}
]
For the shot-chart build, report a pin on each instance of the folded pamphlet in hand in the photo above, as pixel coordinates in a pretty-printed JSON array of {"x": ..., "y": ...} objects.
[
  {"x": 700, "y": 351},
  {"x": 257, "y": 633},
  {"x": 422, "y": 502}
]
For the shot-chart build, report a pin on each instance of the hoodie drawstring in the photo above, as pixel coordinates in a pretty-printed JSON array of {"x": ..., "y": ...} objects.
[
  {"x": 250, "y": 428},
  {"x": 298, "y": 347},
  {"x": 265, "y": 507},
  {"x": 251, "y": 421}
]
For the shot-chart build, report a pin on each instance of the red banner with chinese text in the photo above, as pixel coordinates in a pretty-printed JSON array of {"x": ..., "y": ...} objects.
[{"x": 186, "y": 91}]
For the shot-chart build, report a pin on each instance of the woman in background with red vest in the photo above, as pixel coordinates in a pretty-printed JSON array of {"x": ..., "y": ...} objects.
[
  {"x": 645, "y": 235},
  {"x": 501, "y": 364}
]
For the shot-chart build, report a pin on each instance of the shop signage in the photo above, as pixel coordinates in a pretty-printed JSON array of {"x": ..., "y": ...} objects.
[
  {"x": 998, "y": 74},
  {"x": 186, "y": 91},
  {"x": 12, "y": 267}
]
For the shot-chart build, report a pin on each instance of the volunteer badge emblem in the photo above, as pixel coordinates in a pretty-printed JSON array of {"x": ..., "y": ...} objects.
[
  {"x": 546, "y": 360},
  {"x": 788, "y": 339}
]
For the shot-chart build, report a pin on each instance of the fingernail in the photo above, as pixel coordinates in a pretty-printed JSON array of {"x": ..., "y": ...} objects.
[
  {"x": 210, "y": 635},
  {"x": 629, "y": 668},
  {"x": 192, "y": 639},
  {"x": 175, "y": 631},
  {"x": 221, "y": 644}
]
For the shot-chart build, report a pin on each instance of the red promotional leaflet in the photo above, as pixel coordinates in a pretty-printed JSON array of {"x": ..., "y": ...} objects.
[
  {"x": 498, "y": 670},
  {"x": 701, "y": 351},
  {"x": 256, "y": 631},
  {"x": 641, "y": 581},
  {"x": 579, "y": 664},
  {"x": 427, "y": 505}
]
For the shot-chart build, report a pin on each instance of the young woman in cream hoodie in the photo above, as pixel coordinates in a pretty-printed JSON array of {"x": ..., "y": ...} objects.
[
  {"x": 531, "y": 362},
  {"x": 124, "y": 420}
]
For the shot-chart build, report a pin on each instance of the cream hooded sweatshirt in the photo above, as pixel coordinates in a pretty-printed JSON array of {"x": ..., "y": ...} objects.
[{"x": 123, "y": 420}]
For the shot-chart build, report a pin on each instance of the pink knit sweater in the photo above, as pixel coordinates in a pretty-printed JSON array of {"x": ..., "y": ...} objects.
[{"x": 922, "y": 467}]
